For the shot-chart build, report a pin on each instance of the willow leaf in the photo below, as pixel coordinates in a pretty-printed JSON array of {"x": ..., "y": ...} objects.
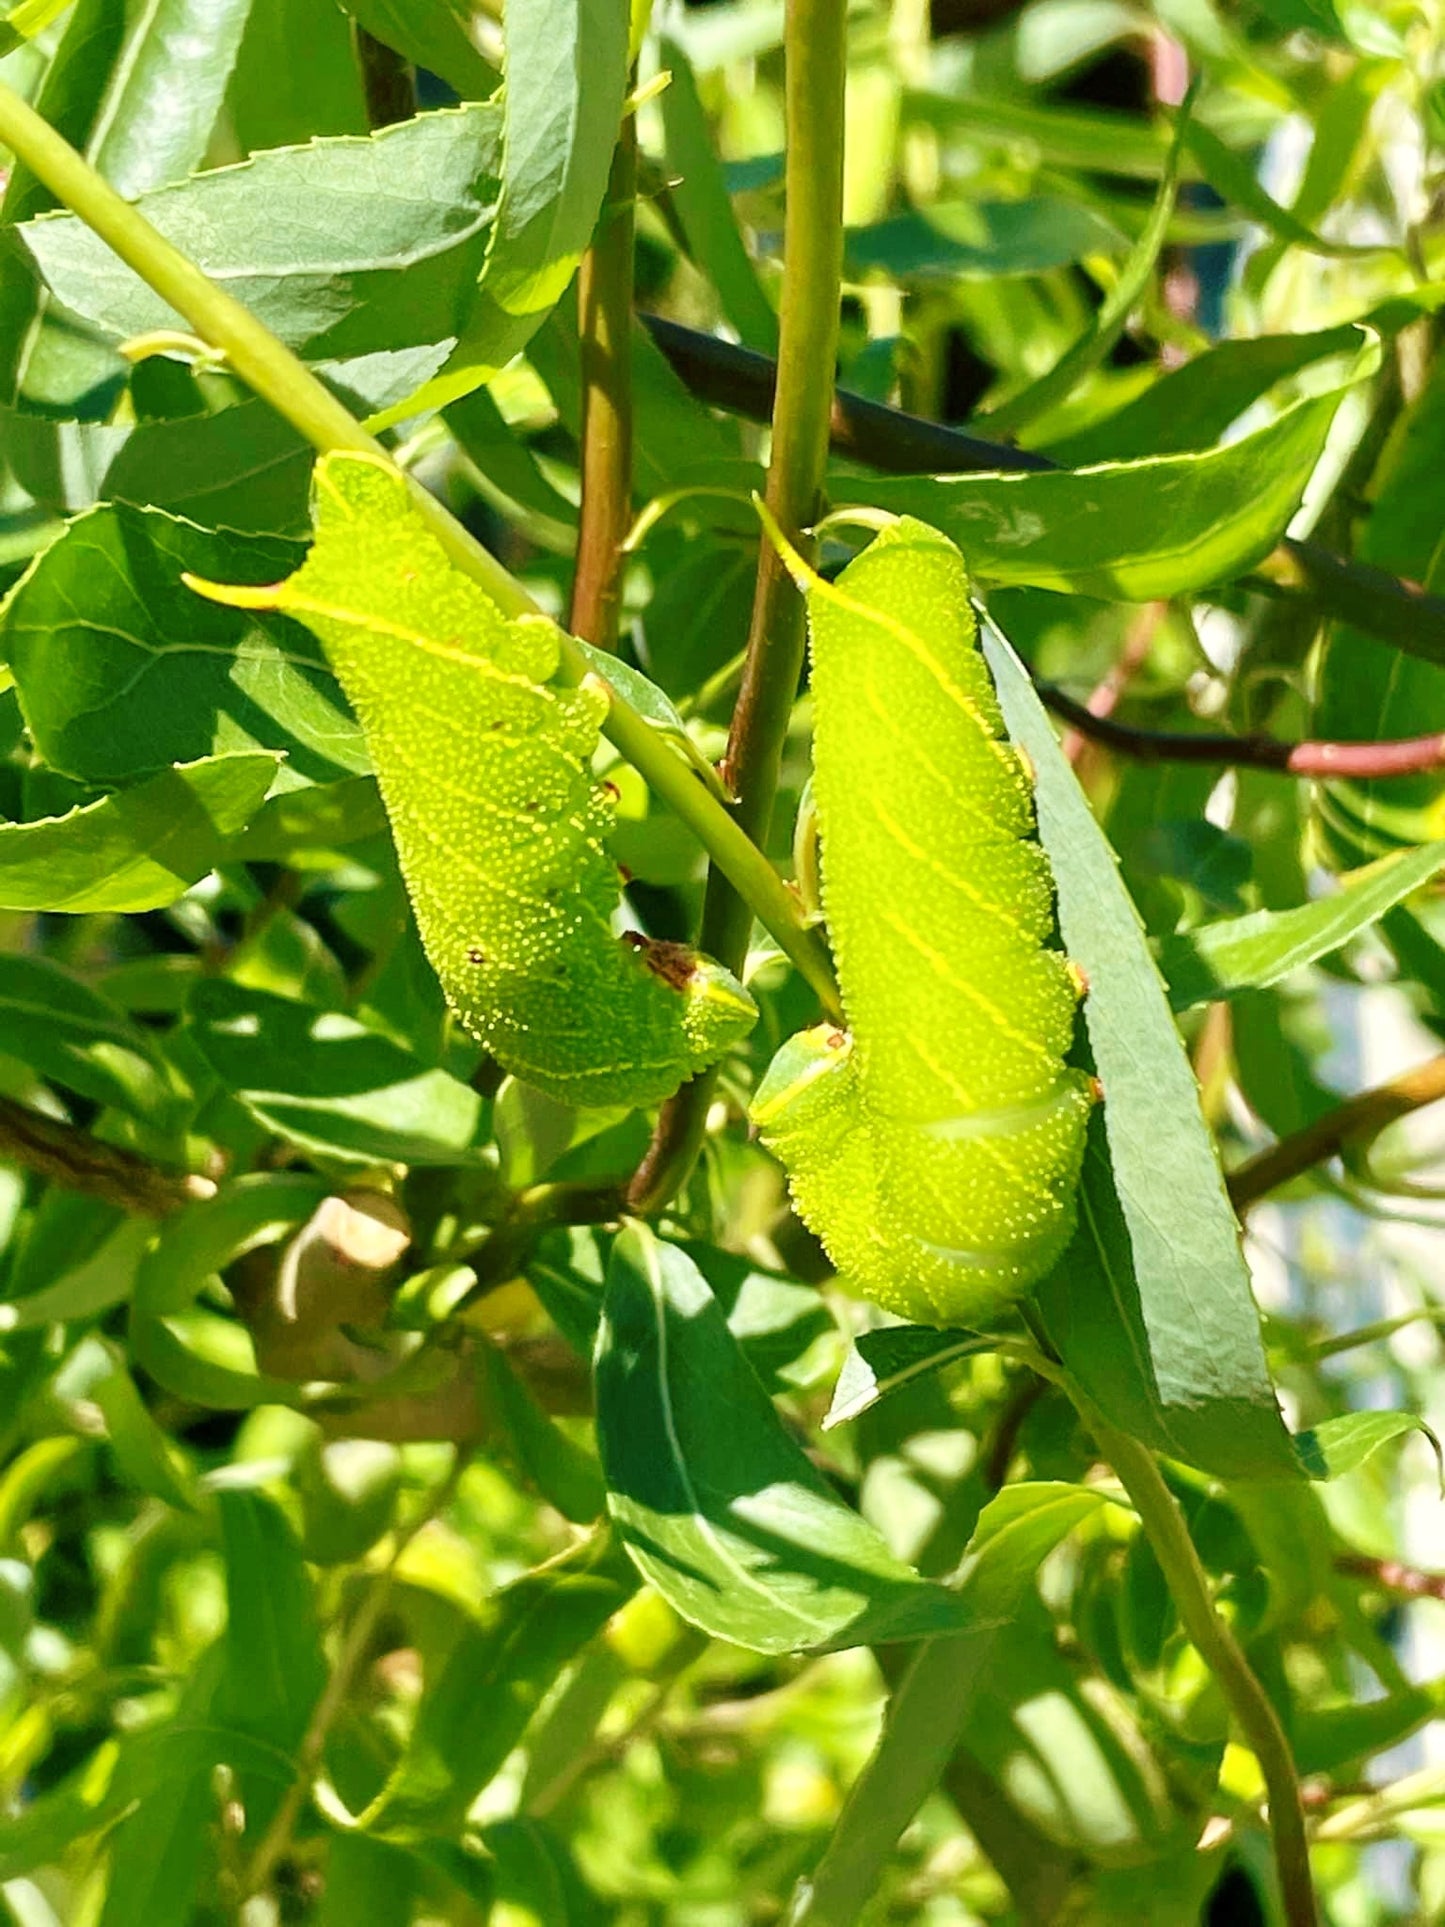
[
  {"x": 935, "y": 1147},
  {"x": 566, "y": 78},
  {"x": 484, "y": 763}
]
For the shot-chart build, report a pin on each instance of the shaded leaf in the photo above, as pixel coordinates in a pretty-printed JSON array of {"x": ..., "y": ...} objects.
[
  {"x": 323, "y": 1080},
  {"x": 699, "y": 193},
  {"x": 431, "y": 36},
  {"x": 880, "y": 1362},
  {"x": 718, "y": 1507},
  {"x": 566, "y": 79},
  {"x": 341, "y": 247},
  {"x": 296, "y": 75},
  {"x": 244, "y": 468},
  {"x": 1217, "y": 960},
  {"x": 1192, "y": 406},
  {"x": 139, "y": 849},
  {"x": 1129, "y": 530},
  {"x": 122, "y": 670},
  {"x": 495, "y": 1679},
  {"x": 982, "y": 238},
  {"x": 1153, "y": 1313},
  {"x": 936, "y": 1696},
  {"x": 71, "y": 1035}
]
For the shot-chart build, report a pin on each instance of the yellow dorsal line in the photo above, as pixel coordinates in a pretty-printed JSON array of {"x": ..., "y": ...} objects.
[
  {"x": 810, "y": 582},
  {"x": 985, "y": 1003},
  {"x": 283, "y": 597}
]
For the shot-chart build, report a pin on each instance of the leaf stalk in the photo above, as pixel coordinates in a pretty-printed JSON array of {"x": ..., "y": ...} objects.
[{"x": 815, "y": 73}]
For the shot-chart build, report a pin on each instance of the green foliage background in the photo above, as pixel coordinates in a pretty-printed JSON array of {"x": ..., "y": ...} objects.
[{"x": 387, "y": 1533}]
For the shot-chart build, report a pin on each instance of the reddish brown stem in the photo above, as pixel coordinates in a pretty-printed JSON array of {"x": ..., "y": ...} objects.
[
  {"x": 1132, "y": 658},
  {"x": 1408, "y": 756},
  {"x": 1352, "y": 1123},
  {"x": 1409, "y": 1581},
  {"x": 604, "y": 312}
]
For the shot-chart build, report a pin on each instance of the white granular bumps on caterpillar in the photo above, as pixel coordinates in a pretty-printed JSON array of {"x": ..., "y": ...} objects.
[
  {"x": 935, "y": 1144},
  {"x": 501, "y": 829}
]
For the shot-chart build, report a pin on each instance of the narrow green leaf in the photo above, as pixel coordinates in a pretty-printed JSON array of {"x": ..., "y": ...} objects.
[
  {"x": 432, "y": 36},
  {"x": 718, "y": 1507},
  {"x": 1366, "y": 693},
  {"x": 1236, "y": 182},
  {"x": 484, "y": 761},
  {"x": 76, "y": 1038},
  {"x": 139, "y": 849},
  {"x": 880, "y": 1362},
  {"x": 197, "y": 1245},
  {"x": 567, "y": 1476},
  {"x": 566, "y": 81},
  {"x": 1109, "y": 322},
  {"x": 322, "y": 1080},
  {"x": 79, "y": 1257},
  {"x": 932, "y": 1703},
  {"x": 700, "y": 196},
  {"x": 497, "y": 1676},
  {"x": 97, "y": 1371},
  {"x": 1105, "y": 143},
  {"x": 27, "y": 1479},
  {"x": 1218, "y": 960},
  {"x": 296, "y": 76},
  {"x": 348, "y": 1491},
  {"x": 1153, "y": 1314},
  {"x": 979, "y": 239},
  {"x": 155, "y": 122},
  {"x": 121, "y": 670},
  {"x": 26, "y": 19},
  {"x": 1192, "y": 406},
  {"x": 272, "y": 1667},
  {"x": 342, "y": 247},
  {"x": 198, "y": 1355},
  {"x": 1340, "y": 1445},
  {"x": 1127, "y": 531},
  {"x": 1325, "y": 1738},
  {"x": 69, "y": 97}
]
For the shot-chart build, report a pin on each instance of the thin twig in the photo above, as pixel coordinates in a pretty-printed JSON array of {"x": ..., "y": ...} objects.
[
  {"x": 1350, "y": 1125},
  {"x": 1188, "y": 1582},
  {"x": 1002, "y": 1442},
  {"x": 80, "y": 1162},
  {"x": 1408, "y": 756},
  {"x": 1104, "y": 697},
  {"x": 1391, "y": 1576}
]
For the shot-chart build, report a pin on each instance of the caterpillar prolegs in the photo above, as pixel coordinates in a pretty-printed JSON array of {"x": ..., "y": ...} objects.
[{"x": 935, "y": 1144}]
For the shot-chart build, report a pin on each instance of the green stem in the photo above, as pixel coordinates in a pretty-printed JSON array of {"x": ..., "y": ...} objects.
[
  {"x": 815, "y": 55},
  {"x": 604, "y": 315},
  {"x": 1189, "y": 1586},
  {"x": 270, "y": 368}
]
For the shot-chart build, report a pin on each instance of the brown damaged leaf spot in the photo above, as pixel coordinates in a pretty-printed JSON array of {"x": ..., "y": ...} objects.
[{"x": 674, "y": 963}]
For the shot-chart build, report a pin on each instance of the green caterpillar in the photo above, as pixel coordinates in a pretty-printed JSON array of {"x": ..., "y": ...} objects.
[
  {"x": 484, "y": 765},
  {"x": 935, "y": 1145}
]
